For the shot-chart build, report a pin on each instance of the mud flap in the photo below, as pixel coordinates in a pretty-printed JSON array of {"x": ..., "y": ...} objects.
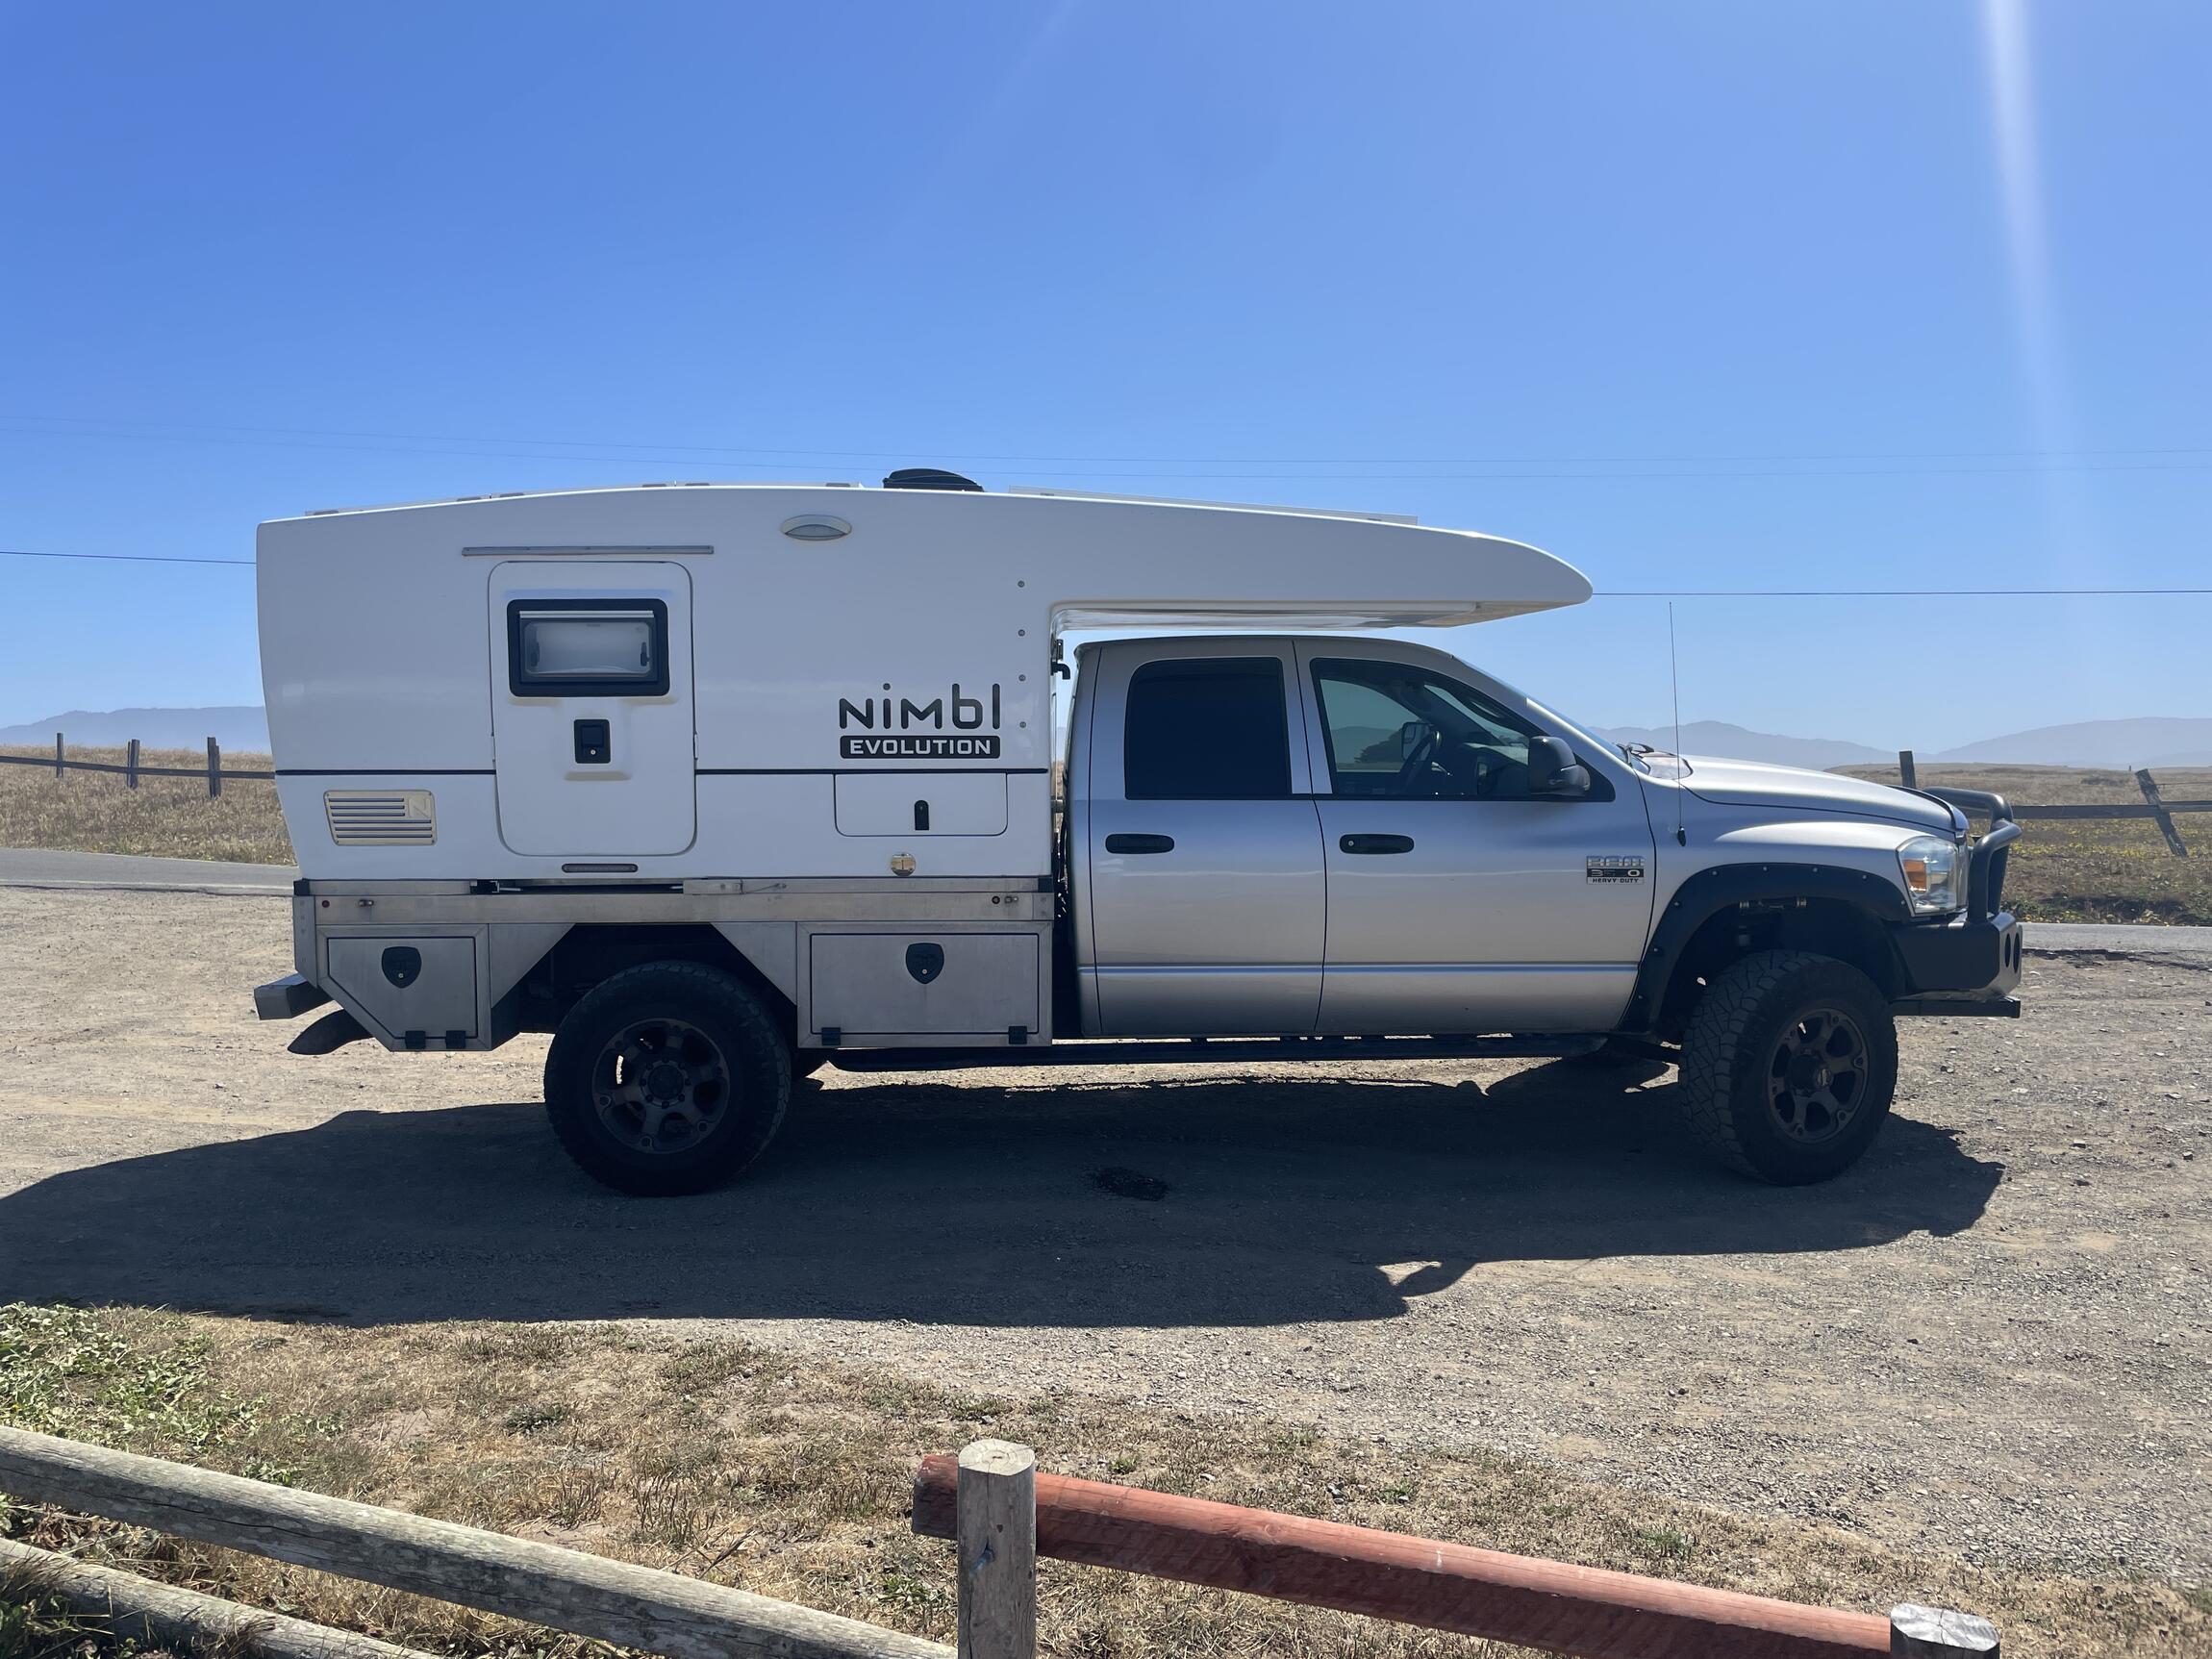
[{"x": 332, "y": 1032}]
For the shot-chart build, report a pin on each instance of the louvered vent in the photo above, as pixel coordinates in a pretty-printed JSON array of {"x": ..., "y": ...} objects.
[{"x": 381, "y": 818}]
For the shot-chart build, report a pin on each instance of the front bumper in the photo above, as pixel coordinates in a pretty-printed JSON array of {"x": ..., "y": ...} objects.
[
  {"x": 1971, "y": 963},
  {"x": 1953, "y": 967}
]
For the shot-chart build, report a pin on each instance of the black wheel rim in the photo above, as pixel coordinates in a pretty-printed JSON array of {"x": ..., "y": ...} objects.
[
  {"x": 661, "y": 1086},
  {"x": 1818, "y": 1076}
]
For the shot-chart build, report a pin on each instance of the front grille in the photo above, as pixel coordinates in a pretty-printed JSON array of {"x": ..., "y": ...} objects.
[{"x": 381, "y": 818}]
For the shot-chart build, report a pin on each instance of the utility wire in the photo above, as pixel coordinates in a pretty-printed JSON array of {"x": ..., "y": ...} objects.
[
  {"x": 543, "y": 448},
  {"x": 131, "y": 558},
  {"x": 1117, "y": 459},
  {"x": 1891, "y": 592}
]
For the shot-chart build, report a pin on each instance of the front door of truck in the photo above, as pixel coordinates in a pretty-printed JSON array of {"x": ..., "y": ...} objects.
[
  {"x": 1459, "y": 900},
  {"x": 1206, "y": 902},
  {"x": 592, "y": 708}
]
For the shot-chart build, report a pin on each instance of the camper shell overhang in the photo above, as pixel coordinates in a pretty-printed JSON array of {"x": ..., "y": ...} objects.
[
  {"x": 803, "y": 623},
  {"x": 1104, "y": 561}
]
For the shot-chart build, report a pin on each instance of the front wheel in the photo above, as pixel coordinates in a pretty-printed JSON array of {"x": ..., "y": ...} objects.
[
  {"x": 1789, "y": 1066},
  {"x": 667, "y": 1078}
]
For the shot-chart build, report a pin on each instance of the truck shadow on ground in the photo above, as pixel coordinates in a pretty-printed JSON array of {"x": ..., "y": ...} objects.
[{"x": 1278, "y": 1201}]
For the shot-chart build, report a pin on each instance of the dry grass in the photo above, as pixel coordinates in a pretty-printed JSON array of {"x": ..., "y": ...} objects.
[
  {"x": 786, "y": 1476},
  {"x": 165, "y": 818},
  {"x": 2093, "y": 871}
]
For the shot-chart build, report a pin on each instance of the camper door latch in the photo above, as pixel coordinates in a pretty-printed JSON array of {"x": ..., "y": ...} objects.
[{"x": 595, "y": 743}]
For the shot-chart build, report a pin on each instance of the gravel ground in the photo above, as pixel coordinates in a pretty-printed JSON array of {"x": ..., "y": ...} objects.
[{"x": 1989, "y": 1339}]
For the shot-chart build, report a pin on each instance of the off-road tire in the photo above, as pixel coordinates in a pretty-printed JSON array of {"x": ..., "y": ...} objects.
[
  {"x": 757, "y": 1060},
  {"x": 1736, "y": 1032}
]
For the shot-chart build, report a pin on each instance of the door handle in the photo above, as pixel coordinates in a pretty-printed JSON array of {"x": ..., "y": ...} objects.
[
  {"x": 1375, "y": 843},
  {"x": 1139, "y": 843}
]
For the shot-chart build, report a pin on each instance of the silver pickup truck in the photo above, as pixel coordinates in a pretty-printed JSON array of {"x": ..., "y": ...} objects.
[
  {"x": 1350, "y": 837},
  {"x": 720, "y": 785}
]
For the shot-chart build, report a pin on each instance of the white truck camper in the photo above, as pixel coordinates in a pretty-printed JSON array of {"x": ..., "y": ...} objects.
[{"x": 719, "y": 784}]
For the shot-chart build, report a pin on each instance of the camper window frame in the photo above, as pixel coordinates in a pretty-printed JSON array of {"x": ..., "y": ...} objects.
[{"x": 522, "y": 683}]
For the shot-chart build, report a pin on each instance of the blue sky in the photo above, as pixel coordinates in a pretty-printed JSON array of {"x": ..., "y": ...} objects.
[{"x": 1699, "y": 297}]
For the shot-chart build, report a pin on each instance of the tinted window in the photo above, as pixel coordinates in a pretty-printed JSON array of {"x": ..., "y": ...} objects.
[
  {"x": 588, "y": 647},
  {"x": 1207, "y": 729},
  {"x": 1401, "y": 731}
]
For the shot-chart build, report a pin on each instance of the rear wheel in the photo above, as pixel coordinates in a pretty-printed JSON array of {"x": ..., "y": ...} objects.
[
  {"x": 1789, "y": 1066},
  {"x": 667, "y": 1078}
]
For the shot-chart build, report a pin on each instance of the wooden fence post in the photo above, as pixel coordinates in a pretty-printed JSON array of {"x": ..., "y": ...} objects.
[
  {"x": 2158, "y": 811},
  {"x": 1906, "y": 775},
  {"x": 1938, "y": 1633},
  {"x": 996, "y": 1519},
  {"x": 60, "y": 768},
  {"x": 130, "y": 765},
  {"x": 214, "y": 769}
]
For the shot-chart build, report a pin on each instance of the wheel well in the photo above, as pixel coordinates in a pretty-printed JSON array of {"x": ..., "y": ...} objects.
[
  {"x": 1824, "y": 926},
  {"x": 592, "y": 952}
]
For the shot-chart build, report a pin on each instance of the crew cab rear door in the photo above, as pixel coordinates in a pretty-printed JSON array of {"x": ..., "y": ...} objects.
[
  {"x": 1203, "y": 898},
  {"x": 1458, "y": 902},
  {"x": 592, "y": 708}
]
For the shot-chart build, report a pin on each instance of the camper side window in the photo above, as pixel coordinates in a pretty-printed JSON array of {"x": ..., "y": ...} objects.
[
  {"x": 1206, "y": 729},
  {"x": 588, "y": 647}
]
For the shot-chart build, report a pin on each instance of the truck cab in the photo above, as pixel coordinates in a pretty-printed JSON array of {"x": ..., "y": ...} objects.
[{"x": 1344, "y": 837}]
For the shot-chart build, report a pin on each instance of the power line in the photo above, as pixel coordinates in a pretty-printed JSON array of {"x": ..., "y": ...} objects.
[
  {"x": 542, "y": 448},
  {"x": 130, "y": 558},
  {"x": 1118, "y": 460},
  {"x": 1891, "y": 592},
  {"x": 1601, "y": 593}
]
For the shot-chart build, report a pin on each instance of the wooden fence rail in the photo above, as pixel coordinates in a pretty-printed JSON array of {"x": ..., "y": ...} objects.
[
  {"x": 2153, "y": 807},
  {"x": 1003, "y": 1515},
  {"x": 566, "y": 1589},
  {"x": 1551, "y": 1605},
  {"x": 155, "y": 1615},
  {"x": 132, "y": 769}
]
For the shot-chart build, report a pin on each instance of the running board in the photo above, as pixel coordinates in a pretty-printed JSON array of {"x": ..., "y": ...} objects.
[{"x": 1216, "y": 1052}]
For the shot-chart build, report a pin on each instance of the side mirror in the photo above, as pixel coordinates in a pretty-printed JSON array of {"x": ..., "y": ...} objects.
[
  {"x": 1553, "y": 771},
  {"x": 1412, "y": 734}
]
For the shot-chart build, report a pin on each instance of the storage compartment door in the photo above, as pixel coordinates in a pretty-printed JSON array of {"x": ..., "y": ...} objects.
[
  {"x": 592, "y": 708},
  {"x": 878, "y": 986},
  {"x": 907, "y": 804},
  {"x": 421, "y": 991}
]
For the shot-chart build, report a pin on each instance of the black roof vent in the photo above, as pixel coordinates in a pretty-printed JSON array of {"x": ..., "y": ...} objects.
[{"x": 928, "y": 478}]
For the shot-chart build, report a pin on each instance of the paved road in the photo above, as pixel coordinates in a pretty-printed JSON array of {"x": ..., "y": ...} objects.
[
  {"x": 41, "y": 867},
  {"x": 2121, "y": 940},
  {"x": 36, "y": 867}
]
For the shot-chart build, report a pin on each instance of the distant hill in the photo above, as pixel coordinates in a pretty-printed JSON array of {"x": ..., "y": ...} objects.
[
  {"x": 243, "y": 729},
  {"x": 2154, "y": 741},
  {"x": 1728, "y": 743}
]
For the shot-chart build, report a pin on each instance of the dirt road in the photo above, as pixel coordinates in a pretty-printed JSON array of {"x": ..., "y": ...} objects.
[{"x": 1991, "y": 1338}]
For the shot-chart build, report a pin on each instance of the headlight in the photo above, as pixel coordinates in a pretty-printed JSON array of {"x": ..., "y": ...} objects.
[{"x": 1935, "y": 873}]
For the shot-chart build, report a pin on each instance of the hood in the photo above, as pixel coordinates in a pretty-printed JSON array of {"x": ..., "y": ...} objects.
[{"x": 1749, "y": 784}]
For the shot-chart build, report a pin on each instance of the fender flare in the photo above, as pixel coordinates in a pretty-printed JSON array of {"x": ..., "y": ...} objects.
[{"x": 1721, "y": 886}]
